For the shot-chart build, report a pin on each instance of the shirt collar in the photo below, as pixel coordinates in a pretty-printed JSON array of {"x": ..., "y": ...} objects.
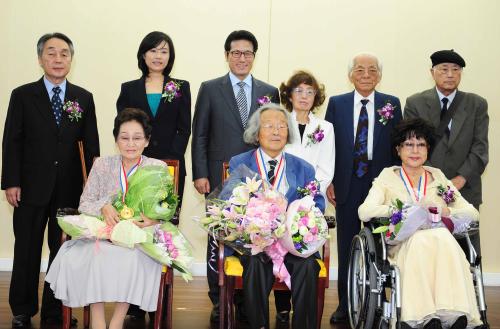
[
  {"x": 267, "y": 157},
  {"x": 49, "y": 85},
  {"x": 358, "y": 97},
  {"x": 450, "y": 96},
  {"x": 234, "y": 79}
]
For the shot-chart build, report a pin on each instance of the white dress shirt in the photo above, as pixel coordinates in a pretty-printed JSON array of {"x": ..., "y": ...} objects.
[
  {"x": 247, "y": 88},
  {"x": 283, "y": 187},
  {"x": 370, "y": 109}
]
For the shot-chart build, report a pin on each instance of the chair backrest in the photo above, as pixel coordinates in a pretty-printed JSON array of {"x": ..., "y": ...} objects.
[
  {"x": 225, "y": 171},
  {"x": 173, "y": 168}
]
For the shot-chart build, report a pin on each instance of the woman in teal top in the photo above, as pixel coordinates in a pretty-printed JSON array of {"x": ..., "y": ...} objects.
[{"x": 167, "y": 102}]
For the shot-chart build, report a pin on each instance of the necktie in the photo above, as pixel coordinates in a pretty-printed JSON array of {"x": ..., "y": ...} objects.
[
  {"x": 57, "y": 105},
  {"x": 443, "y": 112},
  {"x": 270, "y": 173},
  {"x": 361, "y": 142},
  {"x": 241, "y": 100}
]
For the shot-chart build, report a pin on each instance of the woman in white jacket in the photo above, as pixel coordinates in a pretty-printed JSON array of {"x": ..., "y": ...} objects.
[{"x": 314, "y": 139}]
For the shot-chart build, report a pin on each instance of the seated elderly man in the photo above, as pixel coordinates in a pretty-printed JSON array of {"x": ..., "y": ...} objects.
[{"x": 268, "y": 128}]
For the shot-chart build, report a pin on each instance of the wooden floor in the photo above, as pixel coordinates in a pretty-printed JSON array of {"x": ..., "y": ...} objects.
[{"x": 192, "y": 307}]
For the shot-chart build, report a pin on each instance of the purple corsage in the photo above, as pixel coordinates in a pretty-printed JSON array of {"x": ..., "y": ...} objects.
[
  {"x": 171, "y": 91},
  {"x": 386, "y": 113},
  {"x": 73, "y": 110},
  {"x": 316, "y": 136},
  {"x": 311, "y": 188},
  {"x": 266, "y": 99},
  {"x": 446, "y": 193}
]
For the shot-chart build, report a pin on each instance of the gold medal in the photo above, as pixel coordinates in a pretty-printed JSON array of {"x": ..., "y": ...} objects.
[{"x": 126, "y": 212}]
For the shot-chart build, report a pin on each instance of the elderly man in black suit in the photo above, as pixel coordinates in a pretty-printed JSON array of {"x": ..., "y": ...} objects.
[
  {"x": 221, "y": 113},
  {"x": 41, "y": 169}
]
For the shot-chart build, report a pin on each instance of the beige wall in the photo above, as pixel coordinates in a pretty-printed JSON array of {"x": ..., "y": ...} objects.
[{"x": 318, "y": 35}]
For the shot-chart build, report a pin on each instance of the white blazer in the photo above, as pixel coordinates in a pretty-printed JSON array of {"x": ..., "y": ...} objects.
[{"x": 320, "y": 155}]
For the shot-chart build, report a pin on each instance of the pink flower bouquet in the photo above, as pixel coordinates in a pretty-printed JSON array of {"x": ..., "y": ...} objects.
[
  {"x": 306, "y": 228},
  {"x": 247, "y": 214}
]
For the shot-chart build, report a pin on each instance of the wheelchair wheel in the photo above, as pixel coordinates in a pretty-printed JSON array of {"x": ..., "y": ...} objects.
[{"x": 362, "y": 281}]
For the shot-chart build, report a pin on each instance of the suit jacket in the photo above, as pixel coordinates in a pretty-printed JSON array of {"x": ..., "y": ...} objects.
[
  {"x": 217, "y": 127},
  {"x": 41, "y": 157},
  {"x": 298, "y": 173},
  {"x": 172, "y": 123},
  {"x": 320, "y": 155},
  {"x": 465, "y": 151},
  {"x": 340, "y": 113}
]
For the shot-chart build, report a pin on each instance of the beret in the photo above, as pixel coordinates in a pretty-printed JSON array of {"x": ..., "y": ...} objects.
[{"x": 447, "y": 56}]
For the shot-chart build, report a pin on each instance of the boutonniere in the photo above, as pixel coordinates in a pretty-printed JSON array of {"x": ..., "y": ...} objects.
[
  {"x": 266, "y": 99},
  {"x": 312, "y": 189},
  {"x": 386, "y": 113},
  {"x": 316, "y": 136},
  {"x": 171, "y": 91},
  {"x": 446, "y": 193},
  {"x": 73, "y": 110}
]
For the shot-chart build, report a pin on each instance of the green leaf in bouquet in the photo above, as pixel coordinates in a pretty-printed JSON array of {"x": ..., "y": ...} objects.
[
  {"x": 381, "y": 229},
  {"x": 72, "y": 230}
]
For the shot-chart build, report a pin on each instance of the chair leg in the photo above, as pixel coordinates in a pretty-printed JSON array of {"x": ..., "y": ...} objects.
[
  {"x": 167, "y": 320},
  {"x": 66, "y": 313},
  {"x": 222, "y": 304},
  {"x": 86, "y": 317},
  {"x": 230, "y": 302},
  {"x": 321, "y": 299},
  {"x": 159, "y": 306}
]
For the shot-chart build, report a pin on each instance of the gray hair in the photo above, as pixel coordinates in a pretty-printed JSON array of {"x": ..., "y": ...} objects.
[
  {"x": 46, "y": 37},
  {"x": 352, "y": 63},
  {"x": 251, "y": 134}
]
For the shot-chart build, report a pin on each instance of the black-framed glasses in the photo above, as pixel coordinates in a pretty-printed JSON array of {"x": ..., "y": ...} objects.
[{"x": 237, "y": 54}]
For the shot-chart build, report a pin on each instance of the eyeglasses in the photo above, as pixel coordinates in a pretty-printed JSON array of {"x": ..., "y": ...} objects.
[
  {"x": 306, "y": 92},
  {"x": 448, "y": 70},
  {"x": 135, "y": 140},
  {"x": 237, "y": 54},
  {"x": 272, "y": 127},
  {"x": 411, "y": 146}
]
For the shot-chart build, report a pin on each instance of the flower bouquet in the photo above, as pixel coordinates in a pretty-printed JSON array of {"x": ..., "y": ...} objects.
[
  {"x": 406, "y": 219},
  {"x": 307, "y": 229},
  {"x": 247, "y": 214},
  {"x": 150, "y": 192}
]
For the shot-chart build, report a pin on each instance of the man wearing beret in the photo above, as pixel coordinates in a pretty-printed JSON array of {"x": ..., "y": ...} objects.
[{"x": 460, "y": 120}]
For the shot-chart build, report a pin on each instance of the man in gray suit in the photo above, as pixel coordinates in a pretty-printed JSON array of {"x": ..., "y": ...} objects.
[
  {"x": 222, "y": 110},
  {"x": 461, "y": 122}
]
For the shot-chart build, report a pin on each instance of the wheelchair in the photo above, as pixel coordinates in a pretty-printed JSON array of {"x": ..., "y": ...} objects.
[{"x": 374, "y": 286}]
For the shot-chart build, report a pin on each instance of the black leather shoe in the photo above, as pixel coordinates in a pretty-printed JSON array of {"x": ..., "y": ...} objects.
[
  {"x": 283, "y": 317},
  {"x": 339, "y": 317},
  {"x": 405, "y": 325},
  {"x": 461, "y": 323},
  {"x": 434, "y": 323},
  {"x": 214, "y": 315},
  {"x": 21, "y": 321},
  {"x": 57, "y": 320}
]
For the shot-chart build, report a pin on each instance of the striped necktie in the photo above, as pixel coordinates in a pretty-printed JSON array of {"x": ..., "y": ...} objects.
[
  {"x": 270, "y": 174},
  {"x": 241, "y": 100}
]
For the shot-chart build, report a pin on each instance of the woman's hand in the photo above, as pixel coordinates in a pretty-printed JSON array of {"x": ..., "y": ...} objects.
[
  {"x": 111, "y": 216},
  {"x": 445, "y": 212},
  {"x": 146, "y": 222}
]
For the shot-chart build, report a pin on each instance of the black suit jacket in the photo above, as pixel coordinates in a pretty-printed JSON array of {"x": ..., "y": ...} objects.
[
  {"x": 217, "y": 127},
  {"x": 172, "y": 123},
  {"x": 41, "y": 157}
]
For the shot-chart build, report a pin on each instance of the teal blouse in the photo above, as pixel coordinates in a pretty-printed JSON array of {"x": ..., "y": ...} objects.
[{"x": 154, "y": 102}]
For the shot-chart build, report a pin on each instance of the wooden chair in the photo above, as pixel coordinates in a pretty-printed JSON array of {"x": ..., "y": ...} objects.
[
  {"x": 231, "y": 271},
  {"x": 163, "y": 315}
]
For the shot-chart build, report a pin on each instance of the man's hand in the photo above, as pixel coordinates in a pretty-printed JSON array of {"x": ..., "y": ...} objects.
[
  {"x": 330, "y": 194},
  {"x": 146, "y": 221},
  {"x": 13, "y": 195},
  {"x": 202, "y": 185},
  {"x": 111, "y": 216},
  {"x": 459, "y": 181}
]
